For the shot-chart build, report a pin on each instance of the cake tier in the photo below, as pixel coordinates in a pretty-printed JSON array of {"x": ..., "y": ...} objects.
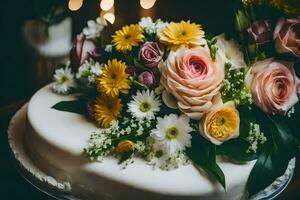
[{"x": 56, "y": 142}]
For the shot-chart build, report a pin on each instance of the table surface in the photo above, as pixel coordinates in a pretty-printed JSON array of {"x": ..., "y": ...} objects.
[{"x": 14, "y": 187}]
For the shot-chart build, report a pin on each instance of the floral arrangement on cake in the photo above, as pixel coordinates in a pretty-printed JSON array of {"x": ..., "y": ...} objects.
[{"x": 173, "y": 95}]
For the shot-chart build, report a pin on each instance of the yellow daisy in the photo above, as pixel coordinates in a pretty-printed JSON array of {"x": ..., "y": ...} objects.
[
  {"x": 182, "y": 34},
  {"x": 114, "y": 79},
  {"x": 106, "y": 109},
  {"x": 127, "y": 37}
]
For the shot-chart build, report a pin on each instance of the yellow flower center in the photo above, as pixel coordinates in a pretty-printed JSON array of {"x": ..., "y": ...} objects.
[
  {"x": 125, "y": 146},
  {"x": 223, "y": 123},
  {"x": 145, "y": 106},
  {"x": 172, "y": 133}
]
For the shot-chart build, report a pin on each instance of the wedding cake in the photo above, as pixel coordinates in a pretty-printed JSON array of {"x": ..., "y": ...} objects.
[{"x": 164, "y": 111}]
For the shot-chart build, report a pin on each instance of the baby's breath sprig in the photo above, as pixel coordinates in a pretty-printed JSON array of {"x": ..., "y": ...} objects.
[
  {"x": 255, "y": 138},
  {"x": 127, "y": 136},
  {"x": 234, "y": 87}
]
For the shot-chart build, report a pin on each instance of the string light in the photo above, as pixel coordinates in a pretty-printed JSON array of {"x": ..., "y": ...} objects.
[
  {"x": 147, "y": 4},
  {"x": 75, "y": 4},
  {"x": 108, "y": 15},
  {"x": 106, "y": 4}
]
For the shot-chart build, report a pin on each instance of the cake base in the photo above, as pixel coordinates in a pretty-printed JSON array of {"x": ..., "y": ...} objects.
[{"x": 62, "y": 190}]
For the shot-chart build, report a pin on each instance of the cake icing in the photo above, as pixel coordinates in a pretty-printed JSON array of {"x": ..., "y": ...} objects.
[{"x": 57, "y": 140}]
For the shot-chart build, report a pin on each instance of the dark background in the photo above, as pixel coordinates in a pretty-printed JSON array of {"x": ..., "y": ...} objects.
[{"x": 18, "y": 79}]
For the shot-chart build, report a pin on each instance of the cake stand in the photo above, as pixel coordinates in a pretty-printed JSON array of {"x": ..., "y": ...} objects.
[{"x": 61, "y": 190}]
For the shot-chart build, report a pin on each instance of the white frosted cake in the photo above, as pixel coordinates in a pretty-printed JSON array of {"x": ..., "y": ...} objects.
[
  {"x": 55, "y": 141},
  {"x": 164, "y": 112}
]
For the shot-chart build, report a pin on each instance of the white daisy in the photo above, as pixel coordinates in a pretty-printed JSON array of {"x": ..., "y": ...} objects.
[
  {"x": 172, "y": 134},
  {"x": 94, "y": 28},
  {"x": 144, "y": 105},
  {"x": 63, "y": 80},
  {"x": 230, "y": 51},
  {"x": 88, "y": 71}
]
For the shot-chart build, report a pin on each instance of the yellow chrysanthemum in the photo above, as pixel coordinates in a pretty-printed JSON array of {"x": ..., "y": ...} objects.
[
  {"x": 183, "y": 34},
  {"x": 127, "y": 37},
  {"x": 114, "y": 79},
  {"x": 106, "y": 109},
  {"x": 125, "y": 146},
  {"x": 224, "y": 123}
]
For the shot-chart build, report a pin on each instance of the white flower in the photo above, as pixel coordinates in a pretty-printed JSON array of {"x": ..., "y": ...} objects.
[
  {"x": 144, "y": 105},
  {"x": 230, "y": 52},
  {"x": 88, "y": 71},
  {"x": 167, "y": 162},
  {"x": 151, "y": 27},
  {"x": 148, "y": 25},
  {"x": 94, "y": 28},
  {"x": 64, "y": 80},
  {"x": 172, "y": 134},
  {"x": 108, "y": 48},
  {"x": 159, "y": 24}
]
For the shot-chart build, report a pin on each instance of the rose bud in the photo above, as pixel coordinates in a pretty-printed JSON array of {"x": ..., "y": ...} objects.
[
  {"x": 147, "y": 78},
  {"x": 97, "y": 54},
  {"x": 287, "y": 36},
  {"x": 80, "y": 51},
  {"x": 151, "y": 54},
  {"x": 130, "y": 70},
  {"x": 260, "y": 32}
]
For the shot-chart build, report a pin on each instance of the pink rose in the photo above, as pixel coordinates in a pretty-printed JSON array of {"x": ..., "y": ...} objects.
[
  {"x": 80, "y": 51},
  {"x": 287, "y": 36},
  {"x": 274, "y": 86},
  {"x": 191, "y": 80},
  {"x": 151, "y": 54}
]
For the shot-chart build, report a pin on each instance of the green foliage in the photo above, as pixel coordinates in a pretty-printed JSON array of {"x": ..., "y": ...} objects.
[
  {"x": 212, "y": 47},
  {"x": 236, "y": 150},
  {"x": 203, "y": 155},
  {"x": 275, "y": 155},
  {"x": 234, "y": 87},
  {"x": 76, "y": 106}
]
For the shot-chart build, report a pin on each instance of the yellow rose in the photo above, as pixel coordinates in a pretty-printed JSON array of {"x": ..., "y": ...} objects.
[
  {"x": 221, "y": 123},
  {"x": 125, "y": 146}
]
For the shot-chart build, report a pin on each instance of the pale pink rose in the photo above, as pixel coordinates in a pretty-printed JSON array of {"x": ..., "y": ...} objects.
[
  {"x": 287, "y": 36},
  {"x": 191, "y": 80},
  {"x": 275, "y": 86}
]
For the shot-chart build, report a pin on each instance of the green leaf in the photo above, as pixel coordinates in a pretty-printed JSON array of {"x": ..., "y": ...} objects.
[
  {"x": 293, "y": 121},
  {"x": 76, "y": 106},
  {"x": 139, "y": 66},
  {"x": 125, "y": 156},
  {"x": 203, "y": 154},
  {"x": 235, "y": 150},
  {"x": 275, "y": 156}
]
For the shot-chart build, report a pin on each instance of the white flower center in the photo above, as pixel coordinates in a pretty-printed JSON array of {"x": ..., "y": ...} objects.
[{"x": 172, "y": 133}]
